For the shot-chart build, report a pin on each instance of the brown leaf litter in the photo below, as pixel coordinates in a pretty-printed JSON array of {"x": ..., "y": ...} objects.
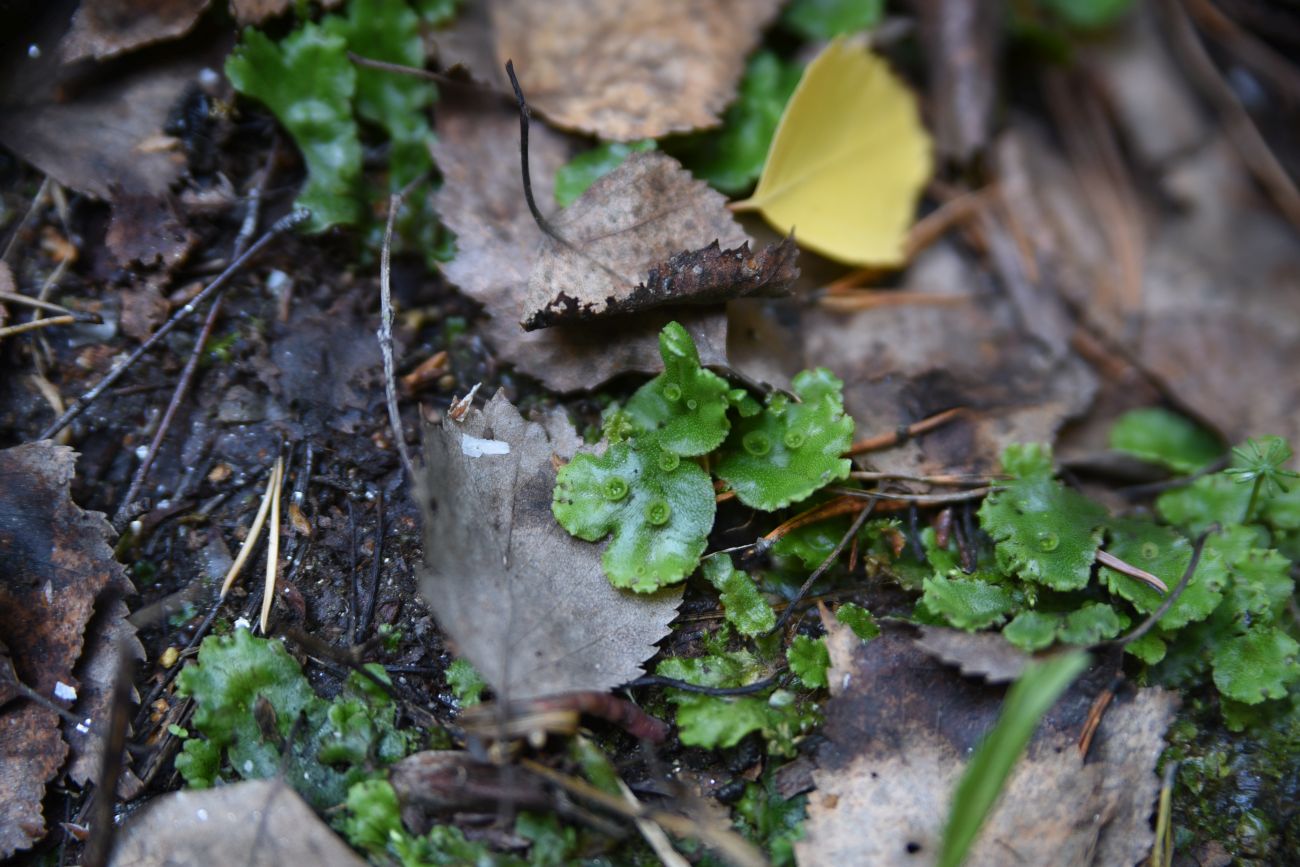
[
  {"x": 1211, "y": 307},
  {"x": 95, "y": 130},
  {"x": 645, "y": 235},
  {"x": 56, "y": 566},
  {"x": 900, "y": 728},
  {"x": 106, "y": 28},
  {"x": 482, "y": 201},
  {"x": 617, "y": 69},
  {"x": 526, "y": 603},
  {"x": 256, "y": 822},
  {"x": 904, "y": 363}
]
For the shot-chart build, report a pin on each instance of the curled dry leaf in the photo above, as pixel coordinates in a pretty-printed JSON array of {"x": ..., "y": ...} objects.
[
  {"x": 482, "y": 201},
  {"x": 147, "y": 229},
  {"x": 258, "y": 822},
  {"x": 521, "y": 599},
  {"x": 623, "y": 69},
  {"x": 900, "y": 727},
  {"x": 620, "y": 248},
  {"x": 55, "y": 565},
  {"x": 106, "y": 28}
]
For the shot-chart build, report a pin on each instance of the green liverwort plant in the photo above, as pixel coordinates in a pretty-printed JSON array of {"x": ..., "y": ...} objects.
[
  {"x": 648, "y": 490},
  {"x": 1045, "y": 586}
]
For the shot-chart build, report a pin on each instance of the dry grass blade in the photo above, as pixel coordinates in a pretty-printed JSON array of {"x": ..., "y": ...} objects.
[
  {"x": 273, "y": 543},
  {"x": 254, "y": 533}
]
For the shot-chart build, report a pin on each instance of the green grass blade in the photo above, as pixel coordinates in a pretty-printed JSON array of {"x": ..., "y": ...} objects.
[{"x": 978, "y": 790}]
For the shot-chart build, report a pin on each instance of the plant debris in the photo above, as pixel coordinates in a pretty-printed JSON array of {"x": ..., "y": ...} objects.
[
  {"x": 521, "y": 599},
  {"x": 899, "y": 729},
  {"x": 254, "y": 823},
  {"x": 481, "y": 200},
  {"x": 57, "y": 567},
  {"x": 623, "y": 70}
]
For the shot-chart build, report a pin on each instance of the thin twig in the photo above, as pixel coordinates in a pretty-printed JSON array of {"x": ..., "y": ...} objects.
[
  {"x": 385, "y": 333},
  {"x": 915, "y": 499},
  {"x": 1245, "y": 135},
  {"x": 825, "y": 564},
  {"x": 726, "y": 842},
  {"x": 904, "y": 433},
  {"x": 687, "y": 686},
  {"x": 36, "y": 324},
  {"x": 524, "y": 116},
  {"x": 41, "y": 304},
  {"x": 83, "y": 403},
  {"x": 31, "y": 209},
  {"x": 1155, "y": 616},
  {"x": 412, "y": 71},
  {"x": 951, "y": 480},
  {"x": 1124, "y": 567}
]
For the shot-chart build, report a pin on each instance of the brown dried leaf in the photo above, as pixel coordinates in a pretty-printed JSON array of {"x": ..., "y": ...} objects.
[
  {"x": 257, "y": 822},
  {"x": 976, "y": 654},
  {"x": 623, "y": 69},
  {"x": 146, "y": 229},
  {"x": 482, "y": 201},
  {"x": 906, "y": 362},
  {"x": 900, "y": 727},
  {"x": 94, "y": 132},
  {"x": 1218, "y": 274},
  {"x": 105, "y": 28},
  {"x": 634, "y": 222},
  {"x": 524, "y": 601},
  {"x": 55, "y": 562}
]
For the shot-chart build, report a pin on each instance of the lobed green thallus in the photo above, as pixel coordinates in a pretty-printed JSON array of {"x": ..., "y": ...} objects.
[{"x": 648, "y": 489}]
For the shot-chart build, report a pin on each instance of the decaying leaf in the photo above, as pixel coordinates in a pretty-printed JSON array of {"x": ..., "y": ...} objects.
[
  {"x": 147, "y": 229},
  {"x": 106, "y": 28},
  {"x": 625, "y": 70},
  {"x": 93, "y": 134},
  {"x": 55, "y": 564},
  {"x": 521, "y": 599},
  {"x": 259, "y": 822},
  {"x": 900, "y": 728},
  {"x": 905, "y": 363},
  {"x": 482, "y": 201},
  {"x": 707, "y": 276},
  {"x": 848, "y": 161},
  {"x": 635, "y": 221},
  {"x": 976, "y": 654}
]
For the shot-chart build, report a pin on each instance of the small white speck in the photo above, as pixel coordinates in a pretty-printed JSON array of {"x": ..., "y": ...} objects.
[
  {"x": 49, "y": 593},
  {"x": 242, "y": 623},
  {"x": 33, "y": 51},
  {"x": 248, "y": 766},
  {"x": 141, "y": 451},
  {"x": 844, "y": 684},
  {"x": 201, "y": 814},
  {"x": 276, "y": 280},
  {"x": 84, "y": 726},
  {"x": 136, "y": 526},
  {"x": 209, "y": 77},
  {"x": 65, "y": 692},
  {"x": 476, "y": 447}
]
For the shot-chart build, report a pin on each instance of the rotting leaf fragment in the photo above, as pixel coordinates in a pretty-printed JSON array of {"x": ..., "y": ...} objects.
[
  {"x": 632, "y": 220},
  {"x": 526, "y": 603},
  {"x": 705, "y": 276}
]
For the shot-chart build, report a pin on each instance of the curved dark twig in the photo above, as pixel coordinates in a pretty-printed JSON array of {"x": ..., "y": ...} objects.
[{"x": 687, "y": 686}]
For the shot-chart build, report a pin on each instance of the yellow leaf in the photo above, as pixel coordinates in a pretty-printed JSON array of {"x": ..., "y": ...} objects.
[{"x": 848, "y": 160}]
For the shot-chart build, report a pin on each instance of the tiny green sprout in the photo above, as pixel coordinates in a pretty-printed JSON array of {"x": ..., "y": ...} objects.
[{"x": 1261, "y": 462}]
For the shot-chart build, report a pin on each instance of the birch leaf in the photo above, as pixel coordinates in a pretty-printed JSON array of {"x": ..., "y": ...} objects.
[{"x": 849, "y": 160}]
